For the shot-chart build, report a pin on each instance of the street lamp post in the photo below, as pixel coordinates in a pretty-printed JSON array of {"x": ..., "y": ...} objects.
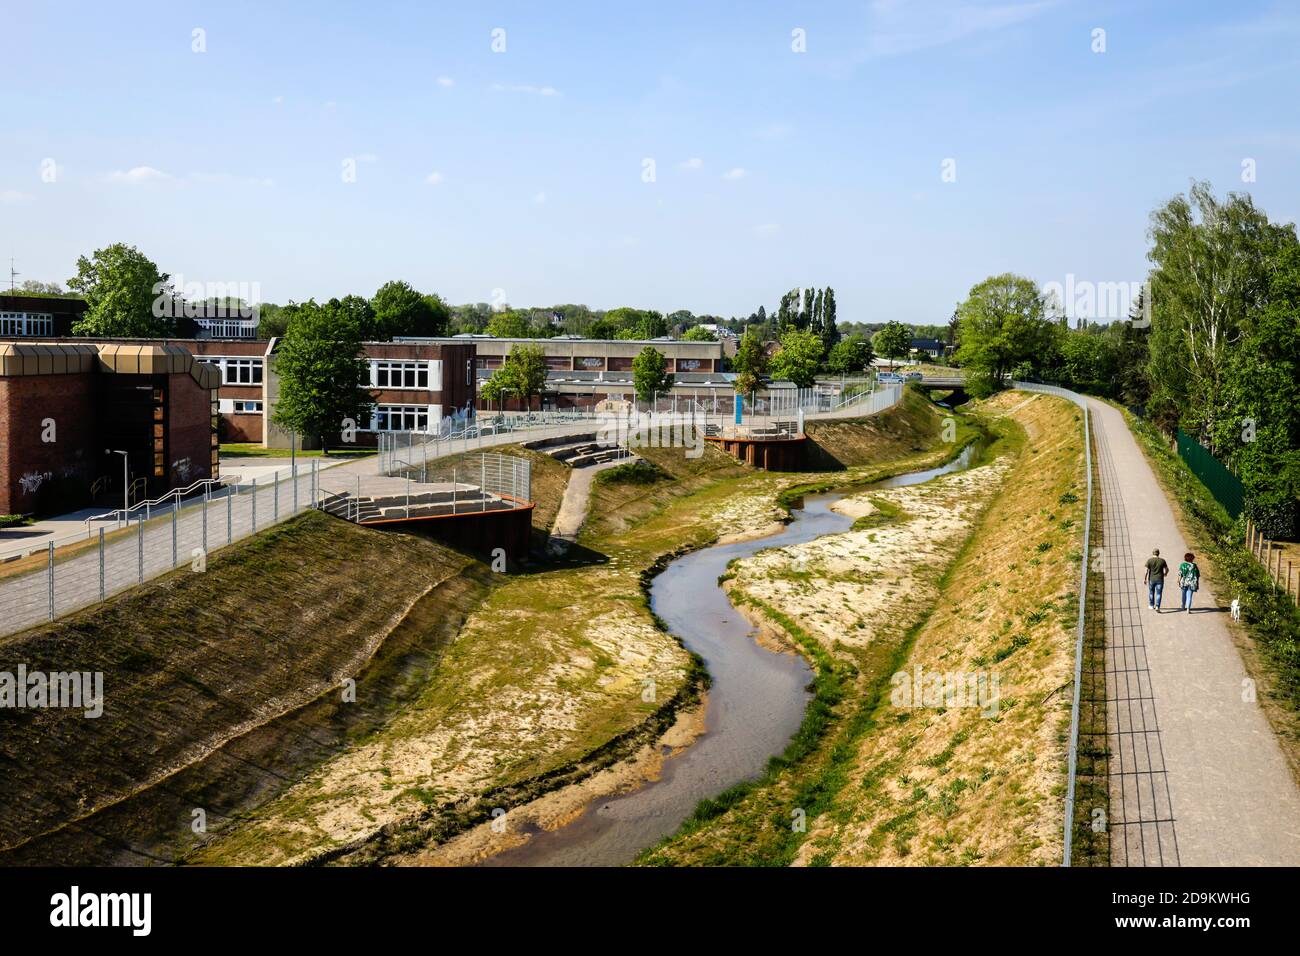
[{"x": 126, "y": 478}]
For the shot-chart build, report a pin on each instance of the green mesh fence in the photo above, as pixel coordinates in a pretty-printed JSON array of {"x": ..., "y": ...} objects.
[{"x": 1223, "y": 484}]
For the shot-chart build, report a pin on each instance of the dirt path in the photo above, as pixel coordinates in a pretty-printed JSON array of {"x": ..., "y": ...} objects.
[
  {"x": 1197, "y": 777},
  {"x": 573, "y": 506}
]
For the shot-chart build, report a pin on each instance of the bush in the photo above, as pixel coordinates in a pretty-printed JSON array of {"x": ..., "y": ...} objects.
[
  {"x": 1274, "y": 514},
  {"x": 633, "y": 473}
]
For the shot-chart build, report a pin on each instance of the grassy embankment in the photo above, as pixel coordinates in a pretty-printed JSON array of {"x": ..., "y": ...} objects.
[
  {"x": 221, "y": 686},
  {"x": 1268, "y": 635},
  {"x": 546, "y": 683},
  {"x": 974, "y": 573}
]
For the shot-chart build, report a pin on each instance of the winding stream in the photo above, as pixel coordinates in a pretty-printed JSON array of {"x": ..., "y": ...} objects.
[{"x": 755, "y": 704}]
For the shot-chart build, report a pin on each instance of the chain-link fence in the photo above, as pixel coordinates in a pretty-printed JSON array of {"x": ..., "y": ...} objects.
[{"x": 77, "y": 571}]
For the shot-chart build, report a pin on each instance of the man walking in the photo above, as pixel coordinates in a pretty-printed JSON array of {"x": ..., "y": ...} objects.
[{"x": 1155, "y": 579}]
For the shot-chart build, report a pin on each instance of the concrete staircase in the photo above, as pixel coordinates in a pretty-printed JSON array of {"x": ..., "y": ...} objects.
[{"x": 583, "y": 454}]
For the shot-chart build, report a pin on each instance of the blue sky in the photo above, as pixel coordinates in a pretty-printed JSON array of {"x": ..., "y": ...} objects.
[{"x": 523, "y": 170}]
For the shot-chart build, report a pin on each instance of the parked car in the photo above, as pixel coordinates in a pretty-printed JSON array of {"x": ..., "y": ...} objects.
[
  {"x": 913, "y": 376},
  {"x": 889, "y": 378}
]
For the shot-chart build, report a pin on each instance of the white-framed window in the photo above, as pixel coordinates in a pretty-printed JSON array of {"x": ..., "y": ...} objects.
[
  {"x": 234, "y": 370},
  {"x": 228, "y": 328},
  {"x": 241, "y": 371},
  {"x": 393, "y": 374},
  {"x": 400, "y": 418},
  {"x": 247, "y": 407},
  {"x": 26, "y": 323}
]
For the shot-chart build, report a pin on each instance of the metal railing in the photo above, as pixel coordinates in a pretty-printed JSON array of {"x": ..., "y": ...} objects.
[
  {"x": 206, "y": 485},
  {"x": 712, "y": 413},
  {"x": 1083, "y": 597},
  {"x": 492, "y": 482},
  {"x": 91, "y": 566}
]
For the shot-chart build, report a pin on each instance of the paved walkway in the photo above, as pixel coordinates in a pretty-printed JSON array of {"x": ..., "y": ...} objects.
[
  {"x": 573, "y": 506},
  {"x": 1197, "y": 776}
]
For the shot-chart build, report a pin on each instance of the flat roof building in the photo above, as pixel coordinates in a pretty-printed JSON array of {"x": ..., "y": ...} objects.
[
  {"x": 584, "y": 372},
  {"x": 571, "y": 354},
  {"x": 67, "y": 406},
  {"x": 38, "y": 316}
]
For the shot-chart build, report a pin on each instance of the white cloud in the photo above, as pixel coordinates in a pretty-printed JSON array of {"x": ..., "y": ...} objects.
[
  {"x": 434, "y": 178},
  {"x": 526, "y": 88},
  {"x": 446, "y": 81},
  {"x": 693, "y": 163},
  {"x": 9, "y": 196},
  {"x": 767, "y": 230},
  {"x": 540, "y": 198},
  {"x": 277, "y": 100},
  {"x": 737, "y": 172},
  {"x": 138, "y": 174}
]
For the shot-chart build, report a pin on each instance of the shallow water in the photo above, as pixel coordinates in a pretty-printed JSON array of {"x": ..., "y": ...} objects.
[{"x": 755, "y": 704}]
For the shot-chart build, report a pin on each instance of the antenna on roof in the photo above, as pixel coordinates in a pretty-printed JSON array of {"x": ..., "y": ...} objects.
[{"x": 12, "y": 274}]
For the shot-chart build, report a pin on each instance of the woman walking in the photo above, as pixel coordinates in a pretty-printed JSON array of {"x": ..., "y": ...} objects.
[{"x": 1189, "y": 579}]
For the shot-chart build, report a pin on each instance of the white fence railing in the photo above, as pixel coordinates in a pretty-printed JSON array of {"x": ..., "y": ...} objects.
[
  {"x": 98, "y": 563},
  {"x": 1083, "y": 603}
]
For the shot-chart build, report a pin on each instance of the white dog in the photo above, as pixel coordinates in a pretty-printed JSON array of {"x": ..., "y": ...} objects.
[{"x": 1236, "y": 609}]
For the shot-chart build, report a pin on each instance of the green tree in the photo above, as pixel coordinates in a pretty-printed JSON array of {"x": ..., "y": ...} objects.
[
  {"x": 1259, "y": 432},
  {"x": 650, "y": 373},
  {"x": 651, "y": 325},
  {"x": 682, "y": 319},
  {"x": 806, "y": 311},
  {"x": 698, "y": 333},
  {"x": 400, "y": 310},
  {"x": 850, "y": 355},
  {"x": 125, "y": 294},
  {"x": 273, "y": 320},
  {"x": 787, "y": 312},
  {"x": 509, "y": 325},
  {"x": 893, "y": 341},
  {"x": 356, "y": 310},
  {"x": 750, "y": 364},
  {"x": 522, "y": 375},
  {"x": 1003, "y": 325},
  {"x": 799, "y": 358},
  {"x": 830, "y": 325},
  {"x": 1212, "y": 261},
  {"x": 38, "y": 288},
  {"x": 324, "y": 376}
]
